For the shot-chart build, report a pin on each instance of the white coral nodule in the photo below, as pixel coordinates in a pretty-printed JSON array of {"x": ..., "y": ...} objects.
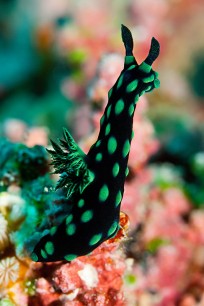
[
  {"x": 3, "y": 232},
  {"x": 9, "y": 270}
]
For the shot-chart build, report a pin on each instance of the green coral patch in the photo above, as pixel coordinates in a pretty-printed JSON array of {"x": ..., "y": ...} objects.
[{"x": 130, "y": 279}]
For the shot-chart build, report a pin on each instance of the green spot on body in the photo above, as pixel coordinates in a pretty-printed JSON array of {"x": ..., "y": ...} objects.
[
  {"x": 118, "y": 198},
  {"x": 87, "y": 216},
  {"x": 132, "y": 135},
  {"x": 91, "y": 176},
  {"x": 108, "y": 111},
  {"x": 53, "y": 230},
  {"x": 112, "y": 145},
  {"x": 95, "y": 239},
  {"x": 149, "y": 88},
  {"x": 156, "y": 83},
  {"x": 103, "y": 193},
  {"x": 71, "y": 229},
  {"x": 132, "y": 86},
  {"x": 34, "y": 257},
  {"x": 108, "y": 128},
  {"x": 132, "y": 67},
  {"x": 110, "y": 93},
  {"x": 43, "y": 254},
  {"x": 120, "y": 81},
  {"x": 126, "y": 148},
  {"x": 142, "y": 92},
  {"x": 102, "y": 120},
  {"x": 148, "y": 79},
  {"x": 98, "y": 143},
  {"x": 70, "y": 257},
  {"x": 116, "y": 169},
  {"x": 99, "y": 157},
  {"x": 127, "y": 171},
  {"x": 131, "y": 109},
  {"x": 49, "y": 248},
  {"x": 119, "y": 107},
  {"x": 129, "y": 59},
  {"x": 112, "y": 229},
  {"x": 69, "y": 219},
  {"x": 136, "y": 98},
  {"x": 81, "y": 203},
  {"x": 145, "y": 67}
]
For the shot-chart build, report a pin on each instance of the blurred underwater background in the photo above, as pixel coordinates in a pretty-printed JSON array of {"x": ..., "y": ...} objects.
[{"x": 58, "y": 59}]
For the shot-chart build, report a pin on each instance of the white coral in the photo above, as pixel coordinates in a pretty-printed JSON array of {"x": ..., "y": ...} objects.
[
  {"x": 8, "y": 199},
  {"x": 9, "y": 270},
  {"x": 89, "y": 276},
  {"x": 3, "y": 232}
]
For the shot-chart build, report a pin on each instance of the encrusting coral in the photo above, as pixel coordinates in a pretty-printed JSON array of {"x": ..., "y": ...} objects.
[{"x": 9, "y": 270}]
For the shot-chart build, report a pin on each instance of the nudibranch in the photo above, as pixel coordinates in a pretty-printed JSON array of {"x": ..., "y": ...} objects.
[{"x": 95, "y": 181}]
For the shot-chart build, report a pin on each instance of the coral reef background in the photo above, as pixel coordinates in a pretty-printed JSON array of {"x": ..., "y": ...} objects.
[{"x": 58, "y": 59}]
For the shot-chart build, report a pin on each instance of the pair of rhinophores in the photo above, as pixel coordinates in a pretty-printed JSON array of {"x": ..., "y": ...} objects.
[{"x": 95, "y": 182}]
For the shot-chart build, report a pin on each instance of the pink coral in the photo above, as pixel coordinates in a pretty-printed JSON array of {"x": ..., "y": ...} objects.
[
  {"x": 144, "y": 144},
  {"x": 45, "y": 292},
  {"x": 66, "y": 278},
  {"x": 101, "y": 266},
  {"x": 15, "y": 130},
  {"x": 88, "y": 280},
  {"x": 37, "y": 136}
]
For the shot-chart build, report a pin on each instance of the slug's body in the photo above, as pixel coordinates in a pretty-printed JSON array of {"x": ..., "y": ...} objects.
[{"x": 96, "y": 201}]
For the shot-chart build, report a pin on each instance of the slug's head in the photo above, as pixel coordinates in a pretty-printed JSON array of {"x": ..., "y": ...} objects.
[{"x": 146, "y": 79}]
